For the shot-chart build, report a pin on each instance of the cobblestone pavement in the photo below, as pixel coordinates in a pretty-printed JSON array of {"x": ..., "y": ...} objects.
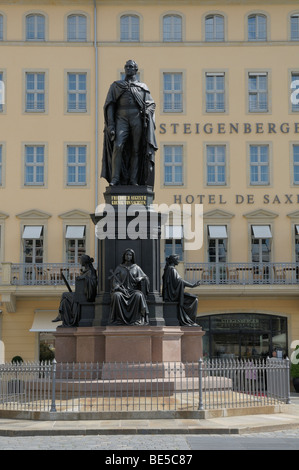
[{"x": 277, "y": 440}]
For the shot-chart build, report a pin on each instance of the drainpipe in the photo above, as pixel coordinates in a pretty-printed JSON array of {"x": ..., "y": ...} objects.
[{"x": 96, "y": 117}]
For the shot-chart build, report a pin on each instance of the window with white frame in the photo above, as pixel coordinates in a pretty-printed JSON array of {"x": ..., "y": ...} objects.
[
  {"x": 216, "y": 164},
  {"x": 129, "y": 28},
  {"x": 172, "y": 92},
  {"x": 76, "y": 165},
  {"x": 214, "y": 28},
  {"x": 173, "y": 164},
  {"x": 257, "y": 28},
  {"x": 35, "y": 27},
  {"x": 33, "y": 249},
  {"x": 261, "y": 238},
  {"x": 215, "y": 93},
  {"x": 76, "y": 28},
  {"x": 295, "y": 89},
  {"x": 35, "y": 92},
  {"x": 2, "y": 92},
  {"x": 34, "y": 165},
  {"x": 172, "y": 28},
  {"x": 294, "y": 27},
  {"x": 295, "y": 163},
  {"x": 258, "y": 92},
  {"x": 259, "y": 164},
  {"x": 75, "y": 238},
  {"x": 217, "y": 243},
  {"x": 174, "y": 241},
  {"x": 1, "y": 165},
  {"x": 297, "y": 243},
  {"x": 77, "y": 92}
]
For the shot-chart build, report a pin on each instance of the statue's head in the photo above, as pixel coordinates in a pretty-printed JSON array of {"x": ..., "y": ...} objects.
[
  {"x": 132, "y": 253},
  {"x": 172, "y": 259},
  {"x": 86, "y": 260},
  {"x": 131, "y": 64}
]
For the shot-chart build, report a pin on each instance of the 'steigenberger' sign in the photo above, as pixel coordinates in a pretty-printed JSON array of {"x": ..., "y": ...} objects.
[{"x": 219, "y": 128}]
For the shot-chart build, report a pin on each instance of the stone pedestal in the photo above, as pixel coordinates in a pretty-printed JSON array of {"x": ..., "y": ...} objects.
[
  {"x": 142, "y": 344},
  {"x": 130, "y": 222}
]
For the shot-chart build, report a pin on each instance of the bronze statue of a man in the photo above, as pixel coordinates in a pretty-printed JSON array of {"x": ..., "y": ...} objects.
[{"x": 129, "y": 133}]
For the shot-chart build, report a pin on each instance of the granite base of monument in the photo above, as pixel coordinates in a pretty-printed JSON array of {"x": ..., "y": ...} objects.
[{"x": 132, "y": 344}]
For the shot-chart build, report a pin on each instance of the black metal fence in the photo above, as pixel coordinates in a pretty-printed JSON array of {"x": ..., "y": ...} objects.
[{"x": 204, "y": 385}]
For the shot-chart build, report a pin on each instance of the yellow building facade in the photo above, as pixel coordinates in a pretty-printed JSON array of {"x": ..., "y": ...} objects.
[{"x": 227, "y": 127}]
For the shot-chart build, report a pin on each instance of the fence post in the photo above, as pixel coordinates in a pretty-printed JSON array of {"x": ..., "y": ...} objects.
[
  {"x": 53, "y": 405},
  {"x": 200, "y": 402}
]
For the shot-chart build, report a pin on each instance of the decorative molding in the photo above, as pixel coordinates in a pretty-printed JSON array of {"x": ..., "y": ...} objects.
[{"x": 260, "y": 214}]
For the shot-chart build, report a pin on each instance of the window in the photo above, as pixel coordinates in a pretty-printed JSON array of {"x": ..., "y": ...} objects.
[
  {"x": 296, "y": 163},
  {"x": 77, "y": 91},
  {"x": 217, "y": 243},
  {"x": 216, "y": 162},
  {"x": 33, "y": 244},
  {"x": 172, "y": 28},
  {"x": 1, "y": 166},
  {"x": 76, "y": 28},
  {"x": 258, "y": 92},
  {"x": 35, "y": 28},
  {"x": 76, "y": 165},
  {"x": 35, "y": 92},
  {"x": 129, "y": 28},
  {"x": 259, "y": 164},
  {"x": 174, "y": 241},
  {"x": 215, "y": 97},
  {"x": 257, "y": 28},
  {"x": 75, "y": 243},
  {"x": 297, "y": 243},
  {"x": 1, "y": 28},
  {"x": 214, "y": 28},
  {"x": 34, "y": 164},
  {"x": 295, "y": 27},
  {"x": 173, "y": 92},
  {"x": 173, "y": 164},
  {"x": 2, "y": 92},
  {"x": 261, "y": 237},
  {"x": 295, "y": 78}
]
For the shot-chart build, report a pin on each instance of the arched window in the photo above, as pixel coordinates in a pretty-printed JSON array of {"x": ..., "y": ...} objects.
[
  {"x": 35, "y": 27},
  {"x": 257, "y": 28},
  {"x": 76, "y": 28},
  {"x": 172, "y": 28},
  {"x": 129, "y": 28},
  {"x": 214, "y": 28},
  {"x": 295, "y": 27}
]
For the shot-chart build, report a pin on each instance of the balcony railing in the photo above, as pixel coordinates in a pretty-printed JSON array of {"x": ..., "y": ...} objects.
[
  {"x": 242, "y": 273},
  {"x": 50, "y": 274}
]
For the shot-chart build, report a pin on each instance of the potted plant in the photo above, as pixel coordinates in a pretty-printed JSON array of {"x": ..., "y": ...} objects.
[{"x": 295, "y": 368}]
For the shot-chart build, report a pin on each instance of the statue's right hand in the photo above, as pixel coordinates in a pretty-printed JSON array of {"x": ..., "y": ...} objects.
[{"x": 111, "y": 132}]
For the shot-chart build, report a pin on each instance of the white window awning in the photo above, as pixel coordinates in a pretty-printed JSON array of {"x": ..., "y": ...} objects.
[
  {"x": 75, "y": 231},
  {"x": 217, "y": 231},
  {"x": 32, "y": 232},
  {"x": 174, "y": 231},
  {"x": 261, "y": 231},
  {"x": 42, "y": 321}
]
